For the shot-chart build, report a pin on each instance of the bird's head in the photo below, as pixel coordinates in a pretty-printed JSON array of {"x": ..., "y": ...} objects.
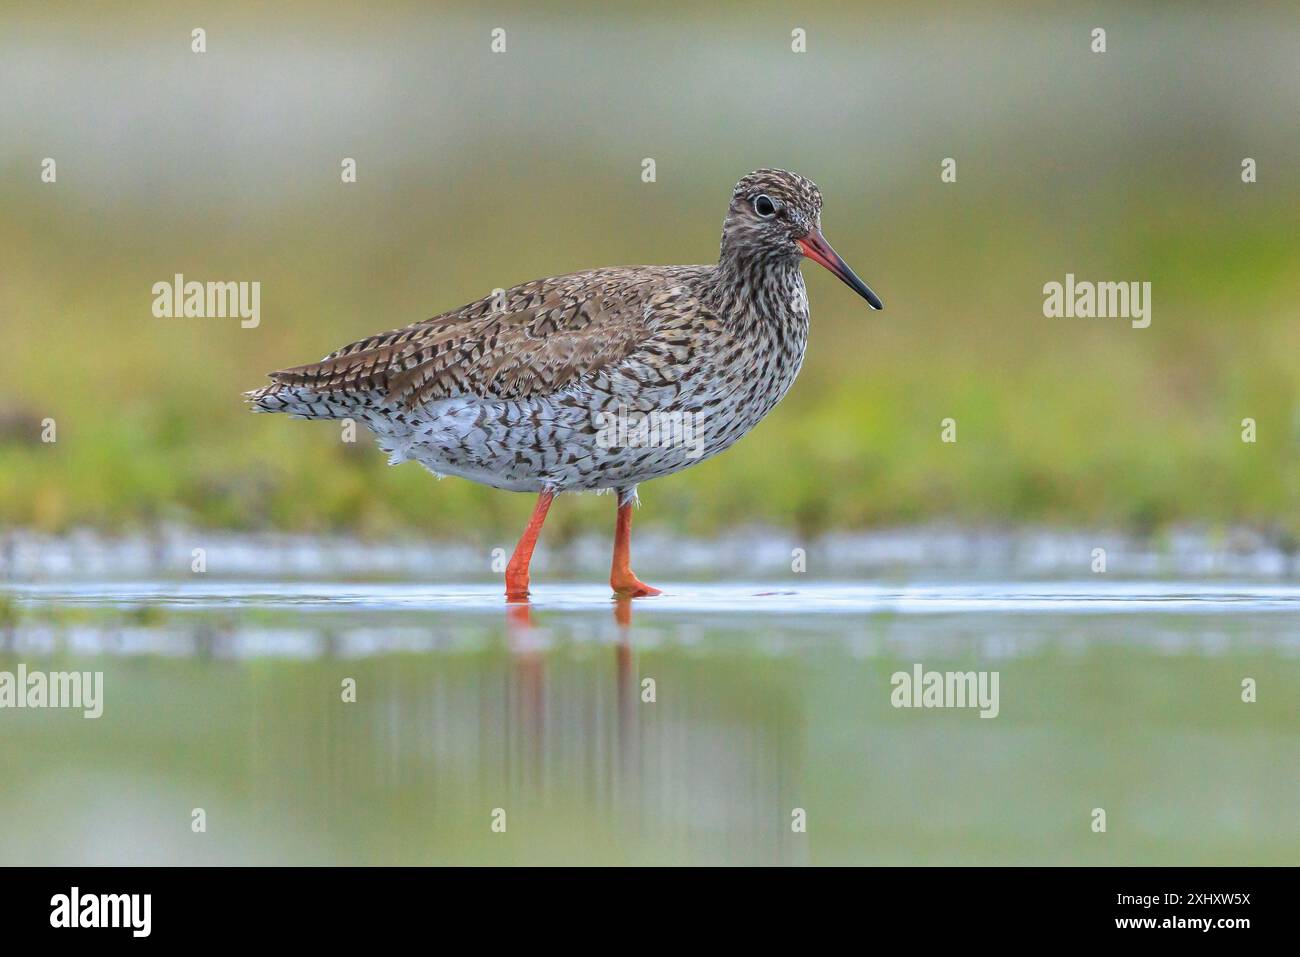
[{"x": 777, "y": 215}]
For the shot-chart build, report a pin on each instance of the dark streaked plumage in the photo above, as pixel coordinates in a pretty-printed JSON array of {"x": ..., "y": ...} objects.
[{"x": 519, "y": 390}]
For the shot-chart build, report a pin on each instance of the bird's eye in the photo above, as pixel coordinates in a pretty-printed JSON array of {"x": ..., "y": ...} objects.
[{"x": 764, "y": 206}]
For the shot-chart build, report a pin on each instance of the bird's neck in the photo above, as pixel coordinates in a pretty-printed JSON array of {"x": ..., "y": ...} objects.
[{"x": 758, "y": 290}]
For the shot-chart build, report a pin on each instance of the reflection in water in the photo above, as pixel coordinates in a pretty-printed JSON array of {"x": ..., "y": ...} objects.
[
  {"x": 591, "y": 756},
  {"x": 589, "y": 740},
  {"x": 653, "y": 732}
]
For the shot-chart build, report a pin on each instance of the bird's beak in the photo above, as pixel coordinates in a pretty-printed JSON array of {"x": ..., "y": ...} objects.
[{"x": 816, "y": 248}]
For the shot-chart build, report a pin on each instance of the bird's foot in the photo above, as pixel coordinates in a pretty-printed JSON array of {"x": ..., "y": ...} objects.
[{"x": 629, "y": 586}]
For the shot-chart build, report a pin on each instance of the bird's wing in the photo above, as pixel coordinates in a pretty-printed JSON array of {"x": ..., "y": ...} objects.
[{"x": 532, "y": 340}]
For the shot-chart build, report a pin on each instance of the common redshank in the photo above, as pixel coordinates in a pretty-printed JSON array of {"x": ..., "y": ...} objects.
[{"x": 594, "y": 381}]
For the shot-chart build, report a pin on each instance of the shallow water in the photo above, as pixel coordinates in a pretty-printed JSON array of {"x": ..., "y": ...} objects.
[
  {"x": 1062, "y": 597},
  {"x": 767, "y": 698}
]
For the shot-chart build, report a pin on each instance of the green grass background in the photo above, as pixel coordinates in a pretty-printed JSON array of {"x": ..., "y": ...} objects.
[{"x": 477, "y": 171}]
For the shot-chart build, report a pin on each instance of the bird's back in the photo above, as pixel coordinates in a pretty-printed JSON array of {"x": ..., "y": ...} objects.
[{"x": 532, "y": 340}]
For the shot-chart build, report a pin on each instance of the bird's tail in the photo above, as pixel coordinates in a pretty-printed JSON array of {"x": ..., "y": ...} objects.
[{"x": 299, "y": 402}]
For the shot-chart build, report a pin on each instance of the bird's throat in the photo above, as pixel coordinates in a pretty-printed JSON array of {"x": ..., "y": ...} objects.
[{"x": 766, "y": 291}]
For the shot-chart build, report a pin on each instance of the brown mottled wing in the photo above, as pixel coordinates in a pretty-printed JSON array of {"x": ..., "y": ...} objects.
[{"x": 534, "y": 340}]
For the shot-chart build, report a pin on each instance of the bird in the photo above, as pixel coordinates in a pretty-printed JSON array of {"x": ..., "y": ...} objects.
[{"x": 592, "y": 381}]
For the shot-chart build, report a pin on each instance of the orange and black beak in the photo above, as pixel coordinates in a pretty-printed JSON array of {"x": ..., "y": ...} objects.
[{"x": 816, "y": 248}]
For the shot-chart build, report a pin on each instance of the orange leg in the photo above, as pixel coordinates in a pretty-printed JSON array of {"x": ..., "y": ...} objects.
[
  {"x": 621, "y": 577},
  {"x": 517, "y": 570}
]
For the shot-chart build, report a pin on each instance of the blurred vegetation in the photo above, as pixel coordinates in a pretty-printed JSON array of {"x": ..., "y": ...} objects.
[{"x": 478, "y": 172}]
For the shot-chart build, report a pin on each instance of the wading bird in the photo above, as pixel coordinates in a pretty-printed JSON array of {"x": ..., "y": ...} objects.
[{"x": 523, "y": 390}]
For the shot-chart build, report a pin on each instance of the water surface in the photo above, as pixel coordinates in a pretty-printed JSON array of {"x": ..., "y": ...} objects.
[{"x": 768, "y": 700}]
